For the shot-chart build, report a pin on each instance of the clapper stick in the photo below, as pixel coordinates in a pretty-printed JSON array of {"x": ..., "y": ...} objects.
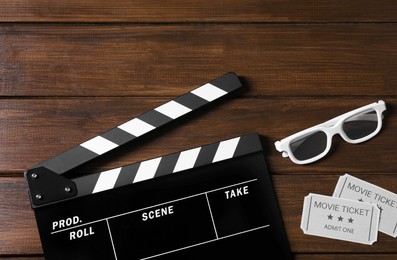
[
  {"x": 46, "y": 184},
  {"x": 168, "y": 164}
]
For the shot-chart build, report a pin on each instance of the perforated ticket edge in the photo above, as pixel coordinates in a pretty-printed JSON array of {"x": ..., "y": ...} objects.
[
  {"x": 338, "y": 192},
  {"x": 373, "y": 233}
]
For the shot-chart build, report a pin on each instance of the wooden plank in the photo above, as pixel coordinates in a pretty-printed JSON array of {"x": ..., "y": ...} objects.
[
  {"x": 23, "y": 258},
  {"x": 344, "y": 256},
  {"x": 198, "y": 11},
  {"x": 18, "y": 232},
  {"x": 34, "y": 130},
  {"x": 296, "y": 257},
  {"x": 133, "y": 60}
]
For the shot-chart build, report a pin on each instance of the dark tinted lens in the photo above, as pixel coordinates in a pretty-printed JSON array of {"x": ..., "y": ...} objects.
[
  {"x": 309, "y": 146},
  {"x": 361, "y": 125}
]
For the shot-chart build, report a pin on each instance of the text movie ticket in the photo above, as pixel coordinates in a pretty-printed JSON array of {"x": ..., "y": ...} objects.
[
  {"x": 340, "y": 219},
  {"x": 350, "y": 187}
]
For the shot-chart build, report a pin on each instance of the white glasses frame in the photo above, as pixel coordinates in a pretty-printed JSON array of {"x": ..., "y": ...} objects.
[{"x": 331, "y": 128}]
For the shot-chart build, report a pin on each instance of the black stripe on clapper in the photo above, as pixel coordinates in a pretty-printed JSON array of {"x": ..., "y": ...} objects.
[
  {"x": 228, "y": 82},
  {"x": 127, "y": 174},
  {"x": 118, "y": 136},
  {"x": 206, "y": 155},
  {"x": 191, "y": 101},
  {"x": 68, "y": 159},
  {"x": 248, "y": 144},
  {"x": 155, "y": 118},
  {"x": 86, "y": 184},
  {"x": 167, "y": 164}
]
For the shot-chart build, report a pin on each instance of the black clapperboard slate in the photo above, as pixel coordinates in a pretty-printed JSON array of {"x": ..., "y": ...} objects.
[{"x": 215, "y": 201}]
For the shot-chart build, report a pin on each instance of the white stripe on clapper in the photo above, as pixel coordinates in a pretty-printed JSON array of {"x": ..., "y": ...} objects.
[
  {"x": 226, "y": 149},
  {"x": 147, "y": 170},
  {"x": 136, "y": 127},
  {"x": 173, "y": 109},
  {"x": 99, "y": 145},
  {"x": 209, "y": 92},
  {"x": 187, "y": 159},
  {"x": 107, "y": 180}
]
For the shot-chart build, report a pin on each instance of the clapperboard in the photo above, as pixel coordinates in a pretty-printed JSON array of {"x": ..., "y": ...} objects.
[{"x": 214, "y": 201}]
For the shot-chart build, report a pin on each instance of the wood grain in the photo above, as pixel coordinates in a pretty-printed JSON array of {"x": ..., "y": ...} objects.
[
  {"x": 19, "y": 233},
  {"x": 36, "y": 129},
  {"x": 146, "y": 61},
  {"x": 296, "y": 256},
  {"x": 198, "y": 11},
  {"x": 344, "y": 256}
]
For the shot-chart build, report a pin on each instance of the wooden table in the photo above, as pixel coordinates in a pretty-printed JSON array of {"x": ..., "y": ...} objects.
[{"x": 70, "y": 70}]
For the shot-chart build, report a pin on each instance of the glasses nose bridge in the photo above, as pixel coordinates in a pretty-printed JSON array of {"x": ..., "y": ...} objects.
[{"x": 333, "y": 128}]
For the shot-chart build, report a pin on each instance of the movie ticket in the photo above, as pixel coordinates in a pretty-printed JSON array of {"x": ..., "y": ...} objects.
[
  {"x": 350, "y": 187},
  {"x": 342, "y": 219}
]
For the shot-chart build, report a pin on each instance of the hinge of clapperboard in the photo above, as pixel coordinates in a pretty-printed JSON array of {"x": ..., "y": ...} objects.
[{"x": 48, "y": 184}]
